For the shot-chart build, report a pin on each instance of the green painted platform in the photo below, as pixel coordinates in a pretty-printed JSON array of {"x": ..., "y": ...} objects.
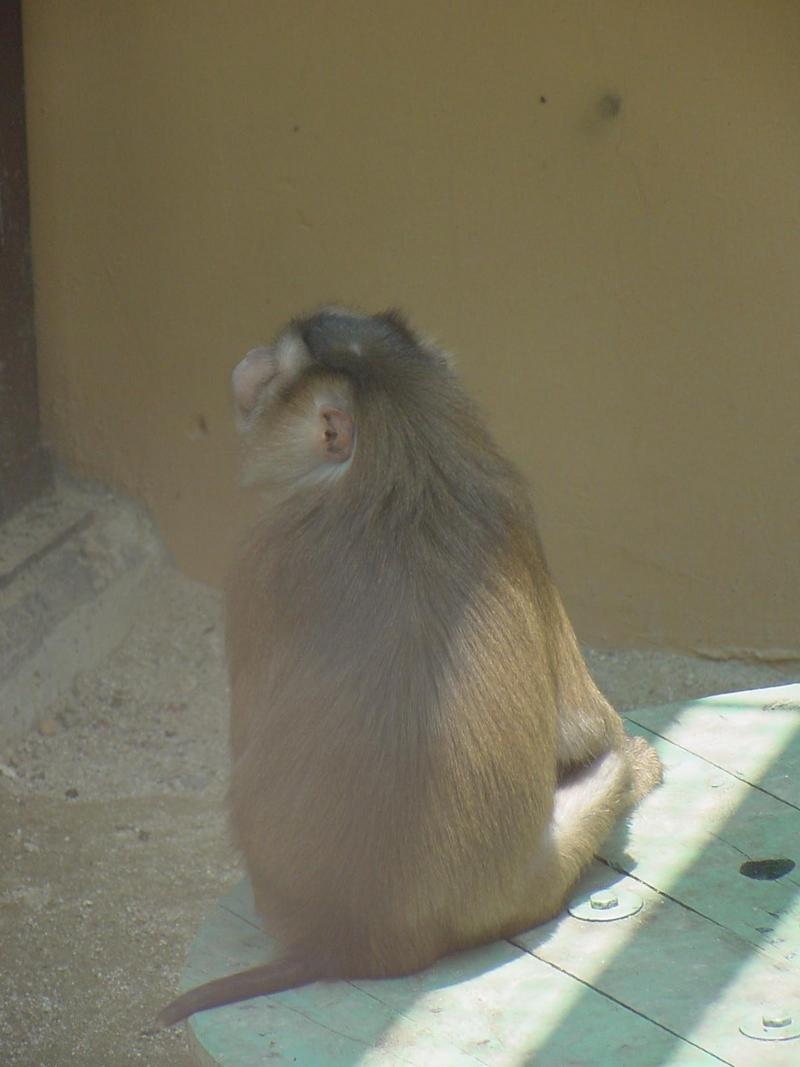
[{"x": 709, "y": 950}]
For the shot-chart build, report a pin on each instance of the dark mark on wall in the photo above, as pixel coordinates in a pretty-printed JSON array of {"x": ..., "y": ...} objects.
[{"x": 609, "y": 105}]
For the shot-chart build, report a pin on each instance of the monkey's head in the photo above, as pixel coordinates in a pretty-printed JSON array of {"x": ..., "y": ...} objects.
[{"x": 298, "y": 401}]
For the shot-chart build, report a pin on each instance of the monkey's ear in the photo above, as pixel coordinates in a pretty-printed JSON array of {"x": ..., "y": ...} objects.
[
  {"x": 262, "y": 373},
  {"x": 336, "y": 434}
]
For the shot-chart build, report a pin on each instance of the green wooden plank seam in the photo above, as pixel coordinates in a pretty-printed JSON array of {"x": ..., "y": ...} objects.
[
  {"x": 739, "y": 777},
  {"x": 686, "y": 725},
  {"x": 626, "y": 1007}
]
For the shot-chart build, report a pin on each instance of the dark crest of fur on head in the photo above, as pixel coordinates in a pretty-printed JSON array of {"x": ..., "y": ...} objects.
[{"x": 331, "y": 330}]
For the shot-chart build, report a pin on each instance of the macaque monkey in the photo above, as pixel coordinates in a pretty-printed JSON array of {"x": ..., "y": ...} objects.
[{"x": 421, "y": 761}]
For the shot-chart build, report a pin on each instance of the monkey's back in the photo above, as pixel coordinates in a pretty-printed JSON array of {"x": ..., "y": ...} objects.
[{"x": 390, "y": 698}]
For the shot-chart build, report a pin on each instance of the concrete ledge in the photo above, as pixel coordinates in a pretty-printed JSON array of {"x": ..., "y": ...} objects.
[{"x": 70, "y": 564}]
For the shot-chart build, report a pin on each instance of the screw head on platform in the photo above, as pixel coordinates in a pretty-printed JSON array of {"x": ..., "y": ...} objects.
[
  {"x": 605, "y": 905},
  {"x": 773, "y": 1023}
]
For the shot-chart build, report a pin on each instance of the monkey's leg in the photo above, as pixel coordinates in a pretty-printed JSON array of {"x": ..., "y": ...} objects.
[
  {"x": 587, "y": 724},
  {"x": 588, "y": 727},
  {"x": 646, "y": 768},
  {"x": 586, "y": 806}
]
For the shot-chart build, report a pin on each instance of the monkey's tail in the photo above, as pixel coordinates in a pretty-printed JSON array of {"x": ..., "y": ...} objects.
[{"x": 287, "y": 973}]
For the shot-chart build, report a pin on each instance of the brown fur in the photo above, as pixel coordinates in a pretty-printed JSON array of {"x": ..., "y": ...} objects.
[{"x": 421, "y": 761}]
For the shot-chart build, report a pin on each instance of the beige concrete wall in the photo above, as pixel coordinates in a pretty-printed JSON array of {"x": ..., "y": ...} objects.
[{"x": 596, "y": 205}]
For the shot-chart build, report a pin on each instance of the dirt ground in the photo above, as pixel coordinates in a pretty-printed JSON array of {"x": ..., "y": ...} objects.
[{"x": 112, "y": 832}]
